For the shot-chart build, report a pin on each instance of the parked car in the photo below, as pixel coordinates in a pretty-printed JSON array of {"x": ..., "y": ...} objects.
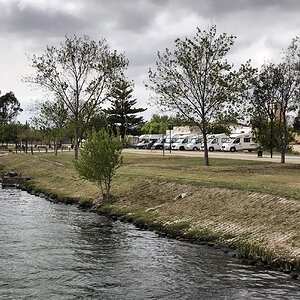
[
  {"x": 215, "y": 141},
  {"x": 195, "y": 143},
  {"x": 240, "y": 141}
]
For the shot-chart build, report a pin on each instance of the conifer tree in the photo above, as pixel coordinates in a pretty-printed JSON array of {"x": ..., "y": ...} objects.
[{"x": 122, "y": 114}]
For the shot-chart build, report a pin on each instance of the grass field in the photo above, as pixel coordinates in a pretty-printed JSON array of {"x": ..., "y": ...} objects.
[{"x": 253, "y": 205}]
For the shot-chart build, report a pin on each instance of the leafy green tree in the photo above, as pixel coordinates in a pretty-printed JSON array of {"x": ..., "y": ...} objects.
[
  {"x": 160, "y": 124},
  {"x": 196, "y": 80},
  {"x": 97, "y": 122},
  {"x": 277, "y": 93},
  {"x": 99, "y": 159},
  {"x": 296, "y": 124},
  {"x": 51, "y": 117},
  {"x": 80, "y": 73},
  {"x": 122, "y": 113},
  {"x": 9, "y": 107},
  {"x": 262, "y": 129},
  {"x": 9, "y": 132}
]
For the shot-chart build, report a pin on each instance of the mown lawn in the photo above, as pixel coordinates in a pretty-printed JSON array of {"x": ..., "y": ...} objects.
[{"x": 253, "y": 176}]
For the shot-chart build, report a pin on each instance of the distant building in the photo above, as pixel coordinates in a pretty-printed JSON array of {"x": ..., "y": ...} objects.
[
  {"x": 185, "y": 130},
  {"x": 234, "y": 128},
  {"x": 239, "y": 128}
]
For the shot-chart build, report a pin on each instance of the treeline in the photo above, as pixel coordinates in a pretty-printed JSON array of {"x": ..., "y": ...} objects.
[{"x": 194, "y": 81}]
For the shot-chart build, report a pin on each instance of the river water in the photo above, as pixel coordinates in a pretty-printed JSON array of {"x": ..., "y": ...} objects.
[{"x": 56, "y": 251}]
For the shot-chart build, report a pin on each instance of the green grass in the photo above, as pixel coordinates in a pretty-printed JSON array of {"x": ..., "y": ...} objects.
[
  {"x": 254, "y": 176},
  {"x": 219, "y": 205}
]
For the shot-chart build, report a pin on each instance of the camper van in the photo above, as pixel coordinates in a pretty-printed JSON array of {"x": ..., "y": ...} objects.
[
  {"x": 173, "y": 140},
  {"x": 182, "y": 142},
  {"x": 159, "y": 144},
  {"x": 215, "y": 141},
  {"x": 147, "y": 140},
  {"x": 240, "y": 141},
  {"x": 195, "y": 143}
]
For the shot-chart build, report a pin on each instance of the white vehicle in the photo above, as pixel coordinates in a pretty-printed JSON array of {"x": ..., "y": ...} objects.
[
  {"x": 182, "y": 142},
  {"x": 240, "y": 141},
  {"x": 159, "y": 144},
  {"x": 147, "y": 140},
  {"x": 215, "y": 141},
  {"x": 173, "y": 140},
  {"x": 195, "y": 143}
]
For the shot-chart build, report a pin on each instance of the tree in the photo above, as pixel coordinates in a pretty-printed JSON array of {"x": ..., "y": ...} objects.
[
  {"x": 80, "y": 73},
  {"x": 296, "y": 124},
  {"x": 263, "y": 105},
  {"x": 122, "y": 113},
  {"x": 10, "y": 132},
  {"x": 279, "y": 94},
  {"x": 9, "y": 107},
  {"x": 52, "y": 117},
  {"x": 160, "y": 124},
  {"x": 99, "y": 159},
  {"x": 196, "y": 80}
]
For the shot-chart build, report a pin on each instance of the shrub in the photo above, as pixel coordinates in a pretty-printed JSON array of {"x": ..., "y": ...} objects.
[{"x": 99, "y": 159}]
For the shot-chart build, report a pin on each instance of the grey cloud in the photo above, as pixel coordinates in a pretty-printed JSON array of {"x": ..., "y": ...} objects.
[{"x": 32, "y": 21}]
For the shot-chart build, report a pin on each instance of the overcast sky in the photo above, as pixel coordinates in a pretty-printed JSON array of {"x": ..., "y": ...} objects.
[{"x": 139, "y": 28}]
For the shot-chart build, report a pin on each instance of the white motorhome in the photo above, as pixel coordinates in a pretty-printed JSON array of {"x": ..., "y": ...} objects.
[
  {"x": 159, "y": 144},
  {"x": 215, "y": 141},
  {"x": 171, "y": 141},
  {"x": 240, "y": 141},
  {"x": 182, "y": 142},
  {"x": 195, "y": 143},
  {"x": 147, "y": 140}
]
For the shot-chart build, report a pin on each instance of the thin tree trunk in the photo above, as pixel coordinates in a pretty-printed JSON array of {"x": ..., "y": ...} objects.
[
  {"x": 271, "y": 142},
  {"x": 76, "y": 139},
  {"x": 283, "y": 155},
  {"x": 285, "y": 138},
  {"x": 55, "y": 147},
  {"x": 206, "y": 161}
]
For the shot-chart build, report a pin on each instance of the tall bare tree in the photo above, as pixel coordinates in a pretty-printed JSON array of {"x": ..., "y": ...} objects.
[
  {"x": 196, "y": 80},
  {"x": 80, "y": 73}
]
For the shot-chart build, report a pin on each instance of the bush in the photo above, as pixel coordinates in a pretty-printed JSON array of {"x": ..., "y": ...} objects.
[{"x": 99, "y": 159}]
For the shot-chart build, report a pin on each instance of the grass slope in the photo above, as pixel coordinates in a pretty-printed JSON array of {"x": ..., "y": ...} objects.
[{"x": 252, "y": 205}]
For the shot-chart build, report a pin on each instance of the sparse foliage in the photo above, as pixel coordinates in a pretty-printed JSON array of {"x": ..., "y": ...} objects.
[
  {"x": 196, "y": 80},
  {"x": 80, "y": 73},
  {"x": 277, "y": 93}
]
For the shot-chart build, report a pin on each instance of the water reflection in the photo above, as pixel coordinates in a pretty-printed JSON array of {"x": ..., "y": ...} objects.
[{"x": 51, "y": 251}]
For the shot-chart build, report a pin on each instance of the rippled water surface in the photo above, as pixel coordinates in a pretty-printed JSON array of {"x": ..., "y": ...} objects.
[{"x": 55, "y": 251}]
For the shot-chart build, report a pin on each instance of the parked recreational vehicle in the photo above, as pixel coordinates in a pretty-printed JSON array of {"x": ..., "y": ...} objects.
[
  {"x": 182, "y": 142},
  {"x": 215, "y": 141},
  {"x": 195, "y": 143},
  {"x": 240, "y": 141},
  {"x": 173, "y": 140},
  {"x": 147, "y": 140},
  {"x": 159, "y": 144}
]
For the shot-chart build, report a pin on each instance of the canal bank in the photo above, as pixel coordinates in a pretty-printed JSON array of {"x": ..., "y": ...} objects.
[
  {"x": 56, "y": 251},
  {"x": 263, "y": 228}
]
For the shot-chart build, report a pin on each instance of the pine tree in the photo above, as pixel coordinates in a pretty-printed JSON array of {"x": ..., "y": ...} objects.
[{"x": 122, "y": 114}]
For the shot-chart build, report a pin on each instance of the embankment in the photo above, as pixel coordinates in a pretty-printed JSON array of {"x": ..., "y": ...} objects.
[{"x": 251, "y": 207}]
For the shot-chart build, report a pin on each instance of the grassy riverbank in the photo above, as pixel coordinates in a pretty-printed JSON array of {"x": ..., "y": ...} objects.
[{"x": 254, "y": 206}]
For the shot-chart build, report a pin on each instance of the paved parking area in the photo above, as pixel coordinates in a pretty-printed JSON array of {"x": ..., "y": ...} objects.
[{"x": 294, "y": 159}]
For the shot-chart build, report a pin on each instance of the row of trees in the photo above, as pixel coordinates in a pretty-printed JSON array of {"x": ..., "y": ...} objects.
[{"x": 194, "y": 81}]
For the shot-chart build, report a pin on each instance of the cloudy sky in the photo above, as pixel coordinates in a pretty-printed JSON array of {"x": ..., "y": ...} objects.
[{"x": 139, "y": 28}]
